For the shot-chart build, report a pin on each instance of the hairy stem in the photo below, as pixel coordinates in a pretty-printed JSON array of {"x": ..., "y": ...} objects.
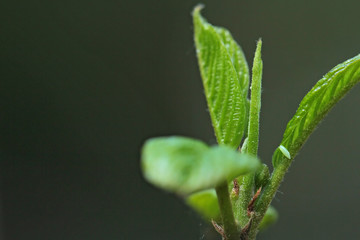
[
  {"x": 230, "y": 229},
  {"x": 266, "y": 197}
]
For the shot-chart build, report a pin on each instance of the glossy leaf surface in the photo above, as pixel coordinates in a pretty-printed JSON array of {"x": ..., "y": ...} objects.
[
  {"x": 315, "y": 105},
  {"x": 225, "y": 78},
  {"x": 184, "y": 165}
]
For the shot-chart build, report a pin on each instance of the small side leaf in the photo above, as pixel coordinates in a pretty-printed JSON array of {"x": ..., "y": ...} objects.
[
  {"x": 185, "y": 165},
  {"x": 271, "y": 216},
  {"x": 315, "y": 105},
  {"x": 206, "y": 204},
  {"x": 225, "y": 78}
]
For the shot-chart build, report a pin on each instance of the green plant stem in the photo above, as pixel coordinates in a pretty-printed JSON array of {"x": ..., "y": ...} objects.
[
  {"x": 230, "y": 229},
  {"x": 247, "y": 181},
  {"x": 266, "y": 197}
]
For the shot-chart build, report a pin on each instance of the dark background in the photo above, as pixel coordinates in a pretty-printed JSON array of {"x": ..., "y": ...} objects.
[{"x": 84, "y": 83}]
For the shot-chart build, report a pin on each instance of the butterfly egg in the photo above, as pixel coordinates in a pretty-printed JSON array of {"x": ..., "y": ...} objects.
[{"x": 284, "y": 151}]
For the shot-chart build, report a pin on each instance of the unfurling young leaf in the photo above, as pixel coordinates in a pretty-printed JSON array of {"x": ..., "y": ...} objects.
[
  {"x": 184, "y": 165},
  {"x": 250, "y": 144},
  {"x": 315, "y": 105},
  {"x": 225, "y": 76},
  {"x": 255, "y": 102}
]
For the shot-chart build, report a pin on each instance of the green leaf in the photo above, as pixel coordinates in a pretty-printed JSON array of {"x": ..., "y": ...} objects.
[
  {"x": 225, "y": 78},
  {"x": 237, "y": 58},
  {"x": 251, "y": 142},
  {"x": 271, "y": 216},
  {"x": 315, "y": 105},
  {"x": 206, "y": 204},
  {"x": 255, "y": 102},
  {"x": 185, "y": 165}
]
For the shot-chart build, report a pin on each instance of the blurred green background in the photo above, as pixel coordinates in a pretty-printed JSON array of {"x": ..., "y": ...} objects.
[{"x": 84, "y": 83}]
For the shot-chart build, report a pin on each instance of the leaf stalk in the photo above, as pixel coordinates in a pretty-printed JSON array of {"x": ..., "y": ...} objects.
[{"x": 231, "y": 230}]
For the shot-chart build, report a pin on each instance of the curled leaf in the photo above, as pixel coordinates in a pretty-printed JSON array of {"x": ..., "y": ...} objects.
[
  {"x": 255, "y": 102},
  {"x": 184, "y": 165}
]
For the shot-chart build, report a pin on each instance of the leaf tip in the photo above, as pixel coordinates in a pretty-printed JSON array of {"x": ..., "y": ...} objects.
[
  {"x": 258, "y": 47},
  {"x": 198, "y": 8}
]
